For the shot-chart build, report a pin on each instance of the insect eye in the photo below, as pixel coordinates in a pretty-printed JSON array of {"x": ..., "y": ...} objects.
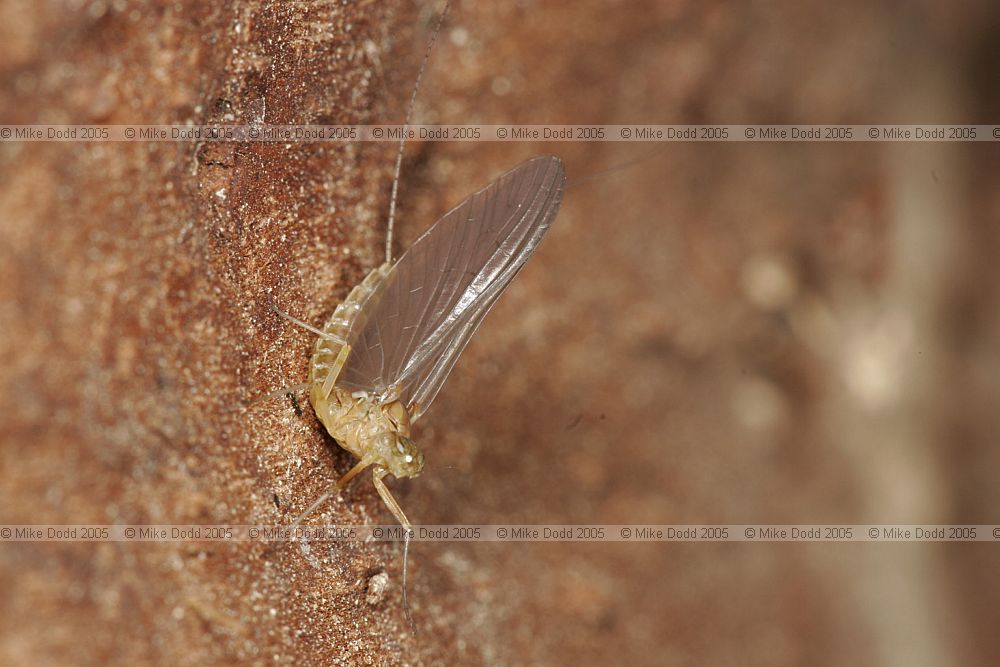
[{"x": 408, "y": 459}]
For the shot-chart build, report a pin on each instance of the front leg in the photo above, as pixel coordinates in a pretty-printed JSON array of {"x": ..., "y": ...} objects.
[
  {"x": 397, "y": 512},
  {"x": 387, "y": 498}
]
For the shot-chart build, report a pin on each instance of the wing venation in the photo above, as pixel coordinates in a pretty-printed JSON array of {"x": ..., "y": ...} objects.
[{"x": 422, "y": 316}]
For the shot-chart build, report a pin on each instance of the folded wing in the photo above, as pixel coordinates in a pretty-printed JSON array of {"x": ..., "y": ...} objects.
[{"x": 410, "y": 332}]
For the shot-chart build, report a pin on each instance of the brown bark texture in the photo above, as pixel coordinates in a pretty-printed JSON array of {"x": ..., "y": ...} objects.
[{"x": 714, "y": 333}]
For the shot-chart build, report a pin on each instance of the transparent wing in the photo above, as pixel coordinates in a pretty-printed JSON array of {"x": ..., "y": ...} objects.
[{"x": 412, "y": 329}]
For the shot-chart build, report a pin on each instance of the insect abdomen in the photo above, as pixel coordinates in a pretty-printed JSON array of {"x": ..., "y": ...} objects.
[{"x": 330, "y": 354}]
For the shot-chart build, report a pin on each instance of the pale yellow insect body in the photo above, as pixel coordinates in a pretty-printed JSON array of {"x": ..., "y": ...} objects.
[{"x": 376, "y": 429}]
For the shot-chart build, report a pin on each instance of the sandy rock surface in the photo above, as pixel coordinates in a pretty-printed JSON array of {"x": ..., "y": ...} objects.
[{"x": 717, "y": 333}]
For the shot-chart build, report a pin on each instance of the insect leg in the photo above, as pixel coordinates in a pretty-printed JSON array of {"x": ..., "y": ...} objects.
[
  {"x": 338, "y": 365},
  {"x": 387, "y": 498},
  {"x": 307, "y": 327},
  {"x": 397, "y": 512},
  {"x": 340, "y": 484}
]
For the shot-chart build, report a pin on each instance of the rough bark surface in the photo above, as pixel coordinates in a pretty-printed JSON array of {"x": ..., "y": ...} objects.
[{"x": 722, "y": 333}]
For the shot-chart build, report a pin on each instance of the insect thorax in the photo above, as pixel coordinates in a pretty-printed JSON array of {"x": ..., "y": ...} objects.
[{"x": 361, "y": 423}]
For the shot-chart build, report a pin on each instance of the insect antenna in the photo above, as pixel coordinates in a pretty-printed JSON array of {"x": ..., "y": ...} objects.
[
  {"x": 402, "y": 138},
  {"x": 388, "y": 240}
]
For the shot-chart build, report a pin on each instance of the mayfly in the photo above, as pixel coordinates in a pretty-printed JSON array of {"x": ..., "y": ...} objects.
[{"x": 384, "y": 354}]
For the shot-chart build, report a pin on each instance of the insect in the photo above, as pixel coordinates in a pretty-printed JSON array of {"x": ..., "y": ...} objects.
[
  {"x": 384, "y": 354},
  {"x": 386, "y": 351}
]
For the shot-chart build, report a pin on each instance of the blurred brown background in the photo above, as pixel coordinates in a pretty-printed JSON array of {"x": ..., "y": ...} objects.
[{"x": 721, "y": 333}]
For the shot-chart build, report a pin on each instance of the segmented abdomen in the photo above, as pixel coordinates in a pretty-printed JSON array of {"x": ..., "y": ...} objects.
[{"x": 330, "y": 353}]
